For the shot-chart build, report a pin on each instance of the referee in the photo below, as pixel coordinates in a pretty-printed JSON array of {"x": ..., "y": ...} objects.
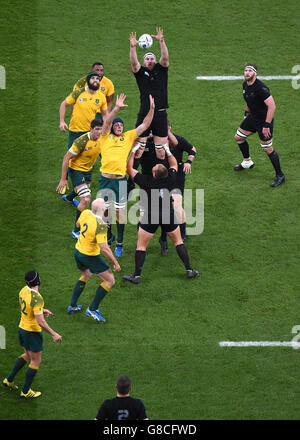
[
  {"x": 259, "y": 117},
  {"x": 158, "y": 205}
]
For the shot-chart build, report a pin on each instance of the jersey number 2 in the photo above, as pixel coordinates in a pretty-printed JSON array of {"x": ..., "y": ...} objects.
[
  {"x": 123, "y": 414},
  {"x": 84, "y": 230}
]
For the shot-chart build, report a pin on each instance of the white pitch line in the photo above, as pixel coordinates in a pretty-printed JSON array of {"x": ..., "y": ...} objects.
[
  {"x": 259, "y": 344},
  {"x": 232, "y": 78}
]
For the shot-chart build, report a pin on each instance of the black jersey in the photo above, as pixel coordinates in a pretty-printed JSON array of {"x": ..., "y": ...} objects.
[
  {"x": 153, "y": 82},
  {"x": 255, "y": 95},
  {"x": 149, "y": 159},
  {"x": 122, "y": 408},
  {"x": 156, "y": 198}
]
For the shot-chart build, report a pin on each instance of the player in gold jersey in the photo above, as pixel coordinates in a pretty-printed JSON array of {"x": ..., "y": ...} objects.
[
  {"x": 106, "y": 85},
  {"x": 87, "y": 102},
  {"x": 115, "y": 147},
  {"x": 93, "y": 241},
  {"x": 79, "y": 160},
  {"x": 30, "y": 334},
  {"x": 78, "y": 164}
]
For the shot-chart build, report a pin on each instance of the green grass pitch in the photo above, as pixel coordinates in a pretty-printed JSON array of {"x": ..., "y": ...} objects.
[{"x": 163, "y": 333}]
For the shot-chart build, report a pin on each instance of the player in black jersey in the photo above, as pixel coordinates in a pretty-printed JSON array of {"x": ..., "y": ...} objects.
[
  {"x": 157, "y": 202},
  {"x": 152, "y": 78},
  {"x": 122, "y": 407},
  {"x": 259, "y": 117},
  {"x": 178, "y": 145}
]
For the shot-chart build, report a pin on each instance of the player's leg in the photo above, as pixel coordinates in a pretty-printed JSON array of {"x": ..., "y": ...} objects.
[
  {"x": 72, "y": 136},
  {"x": 246, "y": 129},
  {"x": 35, "y": 361},
  {"x": 145, "y": 234},
  {"x": 102, "y": 271},
  {"x": 80, "y": 284},
  {"x": 175, "y": 235},
  {"x": 179, "y": 213},
  {"x": 106, "y": 191},
  {"x": 22, "y": 360},
  {"x": 267, "y": 146},
  {"x": 120, "y": 189}
]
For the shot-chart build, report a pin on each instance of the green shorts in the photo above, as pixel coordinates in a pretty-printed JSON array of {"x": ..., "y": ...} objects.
[
  {"x": 95, "y": 263},
  {"x": 79, "y": 177},
  {"x": 113, "y": 189},
  {"x": 32, "y": 341}
]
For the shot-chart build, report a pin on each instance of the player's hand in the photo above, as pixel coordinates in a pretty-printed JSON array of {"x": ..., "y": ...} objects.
[
  {"x": 266, "y": 132},
  {"x": 117, "y": 267},
  {"x": 56, "y": 337},
  {"x": 120, "y": 101},
  {"x": 187, "y": 168},
  {"x": 62, "y": 185},
  {"x": 159, "y": 35},
  {"x": 63, "y": 126},
  {"x": 132, "y": 39},
  {"x": 47, "y": 312},
  {"x": 152, "y": 103}
]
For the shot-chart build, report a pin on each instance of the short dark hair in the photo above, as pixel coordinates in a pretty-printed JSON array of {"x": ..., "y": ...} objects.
[
  {"x": 161, "y": 172},
  {"x": 32, "y": 278},
  {"x": 96, "y": 123},
  {"x": 251, "y": 64},
  {"x": 123, "y": 385},
  {"x": 97, "y": 63}
]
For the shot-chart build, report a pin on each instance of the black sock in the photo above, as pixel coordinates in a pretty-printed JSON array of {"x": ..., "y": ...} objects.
[
  {"x": 244, "y": 147},
  {"x": 120, "y": 232},
  {"x": 109, "y": 233},
  {"x": 183, "y": 255},
  {"x": 274, "y": 158},
  {"x": 139, "y": 262},
  {"x": 183, "y": 229},
  {"x": 163, "y": 235},
  {"x": 71, "y": 196}
]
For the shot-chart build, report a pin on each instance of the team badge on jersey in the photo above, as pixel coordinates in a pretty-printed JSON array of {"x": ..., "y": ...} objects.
[
  {"x": 102, "y": 89},
  {"x": 97, "y": 101}
]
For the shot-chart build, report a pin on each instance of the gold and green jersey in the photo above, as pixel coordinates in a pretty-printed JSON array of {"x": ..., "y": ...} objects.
[
  {"x": 85, "y": 107},
  {"x": 106, "y": 85},
  {"x": 93, "y": 231},
  {"x": 32, "y": 303},
  {"x": 85, "y": 151},
  {"x": 115, "y": 150}
]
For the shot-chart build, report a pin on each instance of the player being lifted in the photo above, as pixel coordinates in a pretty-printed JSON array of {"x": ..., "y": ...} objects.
[{"x": 152, "y": 79}]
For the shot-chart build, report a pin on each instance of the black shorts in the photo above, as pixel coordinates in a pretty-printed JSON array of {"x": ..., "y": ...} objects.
[
  {"x": 159, "y": 124},
  {"x": 254, "y": 125},
  {"x": 152, "y": 228}
]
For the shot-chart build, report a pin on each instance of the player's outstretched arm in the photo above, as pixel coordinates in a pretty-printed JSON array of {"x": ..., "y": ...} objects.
[
  {"x": 164, "y": 54},
  {"x": 148, "y": 118},
  {"x": 135, "y": 65},
  {"x": 120, "y": 103}
]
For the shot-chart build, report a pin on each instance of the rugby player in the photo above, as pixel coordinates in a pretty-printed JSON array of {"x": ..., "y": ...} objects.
[
  {"x": 258, "y": 117},
  {"x": 152, "y": 79},
  {"x": 158, "y": 211},
  {"x": 91, "y": 242},
  {"x": 30, "y": 335}
]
